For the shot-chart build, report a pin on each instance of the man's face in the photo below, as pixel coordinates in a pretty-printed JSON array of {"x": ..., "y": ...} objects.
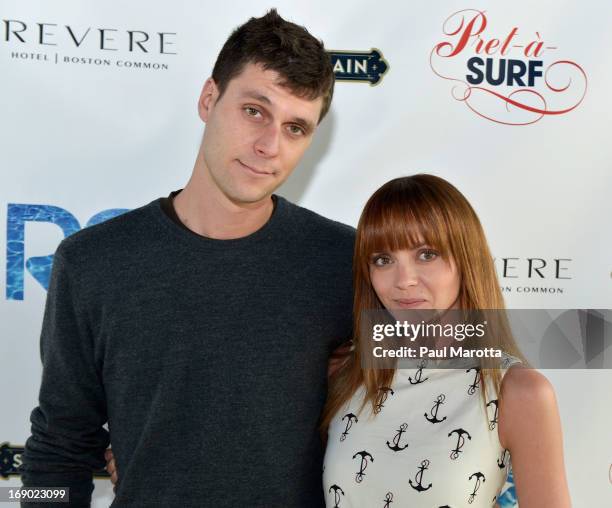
[{"x": 256, "y": 133}]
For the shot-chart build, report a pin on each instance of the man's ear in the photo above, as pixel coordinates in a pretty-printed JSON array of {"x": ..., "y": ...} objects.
[{"x": 208, "y": 98}]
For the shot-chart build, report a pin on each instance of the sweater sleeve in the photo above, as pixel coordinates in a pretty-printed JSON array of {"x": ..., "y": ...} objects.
[{"x": 67, "y": 439}]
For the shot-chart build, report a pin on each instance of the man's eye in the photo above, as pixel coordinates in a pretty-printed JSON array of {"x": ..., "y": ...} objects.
[
  {"x": 297, "y": 130},
  {"x": 428, "y": 255},
  {"x": 251, "y": 111}
]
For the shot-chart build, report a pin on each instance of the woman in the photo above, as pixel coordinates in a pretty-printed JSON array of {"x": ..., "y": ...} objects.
[{"x": 435, "y": 437}]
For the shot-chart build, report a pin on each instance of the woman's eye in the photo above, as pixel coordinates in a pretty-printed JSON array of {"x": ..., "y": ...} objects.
[
  {"x": 428, "y": 255},
  {"x": 381, "y": 260}
]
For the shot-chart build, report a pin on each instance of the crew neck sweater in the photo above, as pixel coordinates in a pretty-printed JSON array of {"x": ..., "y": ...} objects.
[{"x": 207, "y": 358}]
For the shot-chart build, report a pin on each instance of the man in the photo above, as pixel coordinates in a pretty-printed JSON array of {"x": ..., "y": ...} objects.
[{"x": 199, "y": 326}]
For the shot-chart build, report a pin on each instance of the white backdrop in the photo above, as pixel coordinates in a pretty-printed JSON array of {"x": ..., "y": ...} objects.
[{"x": 87, "y": 136}]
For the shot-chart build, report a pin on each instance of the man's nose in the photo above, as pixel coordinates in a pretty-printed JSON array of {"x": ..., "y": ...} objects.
[{"x": 268, "y": 142}]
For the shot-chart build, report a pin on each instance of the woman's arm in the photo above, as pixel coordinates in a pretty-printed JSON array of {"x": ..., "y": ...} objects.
[{"x": 530, "y": 429}]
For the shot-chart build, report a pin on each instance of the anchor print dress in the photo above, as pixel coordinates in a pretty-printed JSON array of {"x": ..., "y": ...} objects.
[{"x": 430, "y": 445}]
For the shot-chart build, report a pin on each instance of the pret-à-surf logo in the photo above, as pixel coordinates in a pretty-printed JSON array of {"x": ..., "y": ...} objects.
[{"x": 512, "y": 77}]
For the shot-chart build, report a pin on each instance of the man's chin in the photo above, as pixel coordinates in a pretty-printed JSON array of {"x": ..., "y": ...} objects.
[{"x": 250, "y": 198}]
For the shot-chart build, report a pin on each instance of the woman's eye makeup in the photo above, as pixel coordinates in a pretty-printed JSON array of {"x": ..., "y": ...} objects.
[
  {"x": 380, "y": 259},
  {"x": 428, "y": 254},
  {"x": 423, "y": 254}
]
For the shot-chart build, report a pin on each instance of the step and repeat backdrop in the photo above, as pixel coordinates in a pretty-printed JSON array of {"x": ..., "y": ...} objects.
[{"x": 509, "y": 101}]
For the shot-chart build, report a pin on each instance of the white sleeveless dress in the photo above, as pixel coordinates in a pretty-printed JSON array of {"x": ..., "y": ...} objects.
[{"x": 430, "y": 445}]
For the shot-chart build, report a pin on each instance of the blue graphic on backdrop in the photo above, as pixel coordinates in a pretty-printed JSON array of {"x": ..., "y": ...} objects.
[
  {"x": 508, "y": 498},
  {"x": 38, "y": 266}
]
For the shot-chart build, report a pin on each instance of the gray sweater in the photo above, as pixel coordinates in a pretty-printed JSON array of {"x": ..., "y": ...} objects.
[{"x": 206, "y": 357}]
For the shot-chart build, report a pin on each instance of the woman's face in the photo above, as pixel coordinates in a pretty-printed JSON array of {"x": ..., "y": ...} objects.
[{"x": 415, "y": 279}]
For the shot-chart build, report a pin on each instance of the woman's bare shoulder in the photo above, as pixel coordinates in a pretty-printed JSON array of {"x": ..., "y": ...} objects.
[{"x": 527, "y": 402}]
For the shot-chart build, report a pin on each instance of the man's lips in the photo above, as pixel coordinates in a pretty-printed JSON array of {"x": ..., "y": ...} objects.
[{"x": 254, "y": 170}]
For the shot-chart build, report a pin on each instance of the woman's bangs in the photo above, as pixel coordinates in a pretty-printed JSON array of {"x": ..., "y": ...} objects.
[{"x": 405, "y": 228}]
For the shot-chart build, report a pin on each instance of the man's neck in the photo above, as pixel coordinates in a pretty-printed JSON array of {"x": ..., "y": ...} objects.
[{"x": 205, "y": 210}]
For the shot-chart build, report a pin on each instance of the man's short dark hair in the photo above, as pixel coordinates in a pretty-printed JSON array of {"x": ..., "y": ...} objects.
[{"x": 289, "y": 49}]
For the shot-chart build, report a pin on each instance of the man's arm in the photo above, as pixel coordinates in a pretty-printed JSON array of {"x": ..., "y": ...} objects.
[{"x": 68, "y": 439}]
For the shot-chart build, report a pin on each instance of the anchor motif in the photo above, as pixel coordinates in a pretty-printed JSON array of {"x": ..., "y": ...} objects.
[
  {"x": 472, "y": 388},
  {"x": 383, "y": 393},
  {"x": 460, "y": 441},
  {"x": 388, "y": 499},
  {"x": 419, "y": 477},
  {"x": 501, "y": 462},
  {"x": 434, "y": 410},
  {"x": 419, "y": 374},
  {"x": 349, "y": 423},
  {"x": 479, "y": 476},
  {"x": 493, "y": 422},
  {"x": 364, "y": 463},
  {"x": 397, "y": 438},
  {"x": 337, "y": 491}
]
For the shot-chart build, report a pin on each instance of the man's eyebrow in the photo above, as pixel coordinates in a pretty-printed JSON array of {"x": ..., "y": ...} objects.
[
  {"x": 307, "y": 125},
  {"x": 251, "y": 94}
]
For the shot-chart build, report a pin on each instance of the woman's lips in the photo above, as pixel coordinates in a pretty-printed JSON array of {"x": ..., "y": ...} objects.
[{"x": 407, "y": 303}]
